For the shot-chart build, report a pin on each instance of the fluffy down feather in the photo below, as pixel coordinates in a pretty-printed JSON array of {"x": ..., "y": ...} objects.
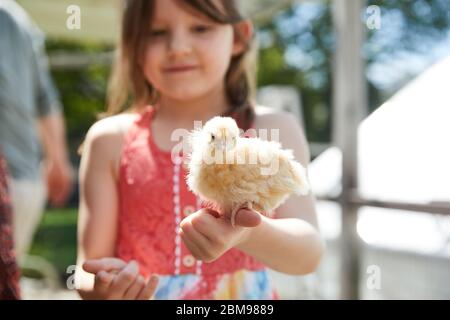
[{"x": 230, "y": 172}]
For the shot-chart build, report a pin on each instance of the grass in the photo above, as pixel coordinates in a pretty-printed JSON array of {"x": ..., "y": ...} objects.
[{"x": 55, "y": 240}]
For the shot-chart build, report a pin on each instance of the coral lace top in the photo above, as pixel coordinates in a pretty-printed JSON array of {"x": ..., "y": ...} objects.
[{"x": 154, "y": 198}]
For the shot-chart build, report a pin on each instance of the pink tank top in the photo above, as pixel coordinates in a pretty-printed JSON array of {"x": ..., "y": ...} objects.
[{"x": 153, "y": 199}]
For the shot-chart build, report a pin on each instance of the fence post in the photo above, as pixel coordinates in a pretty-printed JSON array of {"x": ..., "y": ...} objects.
[{"x": 349, "y": 107}]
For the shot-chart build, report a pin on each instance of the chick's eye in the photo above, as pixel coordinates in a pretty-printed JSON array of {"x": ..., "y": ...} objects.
[{"x": 213, "y": 137}]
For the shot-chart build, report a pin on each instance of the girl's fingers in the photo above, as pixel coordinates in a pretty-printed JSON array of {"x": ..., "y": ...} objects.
[
  {"x": 213, "y": 213},
  {"x": 105, "y": 264},
  {"x": 149, "y": 290},
  {"x": 133, "y": 291},
  {"x": 208, "y": 225},
  {"x": 102, "y": 282},
  {"x": 193, "y": 230},
  {"x": 124, "y": 280},
  {"x": 193, "y": 248}
]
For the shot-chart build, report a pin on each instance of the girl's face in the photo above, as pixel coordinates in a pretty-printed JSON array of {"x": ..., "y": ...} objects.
[{"x": 187, "y": 55}]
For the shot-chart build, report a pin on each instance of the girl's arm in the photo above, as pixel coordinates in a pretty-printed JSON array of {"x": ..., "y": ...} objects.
[
  {"x": 288, "y": 245},
  {"x": 97, "y": 215},
  {"x": 291, "y": 242},
  {"x": 97, "y": 222}
]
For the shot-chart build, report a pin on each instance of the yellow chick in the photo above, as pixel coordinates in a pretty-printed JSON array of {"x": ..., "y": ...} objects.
[{"x": 231, "y": 172}]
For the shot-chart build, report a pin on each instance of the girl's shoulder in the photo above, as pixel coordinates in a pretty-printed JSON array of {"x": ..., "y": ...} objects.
[
  {"x": 115, "y": 125},
  {"x": 271, "y": 118},
  {"x": 105, "y": 137}
]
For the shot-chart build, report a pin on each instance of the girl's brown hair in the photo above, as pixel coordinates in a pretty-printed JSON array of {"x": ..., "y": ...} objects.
[{"x": 128, "y": 86}]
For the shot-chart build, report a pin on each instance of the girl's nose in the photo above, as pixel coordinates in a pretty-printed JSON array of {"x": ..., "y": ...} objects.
[{"x": 179, "y": 45}]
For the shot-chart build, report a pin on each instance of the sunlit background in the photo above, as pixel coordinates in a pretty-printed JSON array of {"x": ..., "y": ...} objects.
[{"x": 403, "y": 144}]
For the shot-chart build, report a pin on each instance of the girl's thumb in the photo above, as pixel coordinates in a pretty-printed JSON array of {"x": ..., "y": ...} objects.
[{"x": 247, "y": 218}]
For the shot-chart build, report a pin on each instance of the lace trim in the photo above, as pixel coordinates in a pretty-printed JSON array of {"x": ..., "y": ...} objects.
[
  {"x": 176, "y": 210},
  {"x": 177, "y": 213}
]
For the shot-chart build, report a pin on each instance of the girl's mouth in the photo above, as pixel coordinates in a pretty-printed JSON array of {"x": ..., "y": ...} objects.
[{"x": 180, "y": 68}]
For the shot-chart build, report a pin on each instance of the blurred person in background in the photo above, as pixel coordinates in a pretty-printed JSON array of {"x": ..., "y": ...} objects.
[
  {"x": 9, "y": 271},
  {"x": 32, "y": 129}
]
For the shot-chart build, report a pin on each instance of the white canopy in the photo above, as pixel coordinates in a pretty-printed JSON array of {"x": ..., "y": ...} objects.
[{"x": 403, "y": 147}]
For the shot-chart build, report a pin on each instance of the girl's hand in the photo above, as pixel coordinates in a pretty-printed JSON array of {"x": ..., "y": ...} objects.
[
  {"x": 208, "y": 235},
  {"x": 117, "y": 280}
]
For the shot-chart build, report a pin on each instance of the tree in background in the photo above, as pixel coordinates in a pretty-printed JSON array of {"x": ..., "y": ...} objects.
[{"x": 297, "y": 49}]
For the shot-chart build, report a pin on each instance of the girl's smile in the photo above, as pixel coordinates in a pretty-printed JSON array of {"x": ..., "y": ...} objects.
[{"x": 182, "y": 68}]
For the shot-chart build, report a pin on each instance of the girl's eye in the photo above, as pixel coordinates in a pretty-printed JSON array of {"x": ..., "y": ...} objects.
[
  {"x": 158, "y": 33},
  {"x": 201, "y": 29}
]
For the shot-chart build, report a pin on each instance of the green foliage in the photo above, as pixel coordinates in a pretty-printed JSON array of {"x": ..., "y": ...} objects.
[
  {"x": 83, "y": 96},
  {"x": 56, "y": 239},
  {"x": 82, "y": 90},
  {"x": 313, "y": 80},
  {"x": 298, "y": 46}
]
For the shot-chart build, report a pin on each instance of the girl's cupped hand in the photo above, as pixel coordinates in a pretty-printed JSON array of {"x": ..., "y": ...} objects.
[
  {"x": 209, "y": 235},
  {"x": 116, "y": 279}
]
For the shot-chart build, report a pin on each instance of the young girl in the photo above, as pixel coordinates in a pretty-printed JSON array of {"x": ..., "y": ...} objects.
[{"x": 180, "y": 62}]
